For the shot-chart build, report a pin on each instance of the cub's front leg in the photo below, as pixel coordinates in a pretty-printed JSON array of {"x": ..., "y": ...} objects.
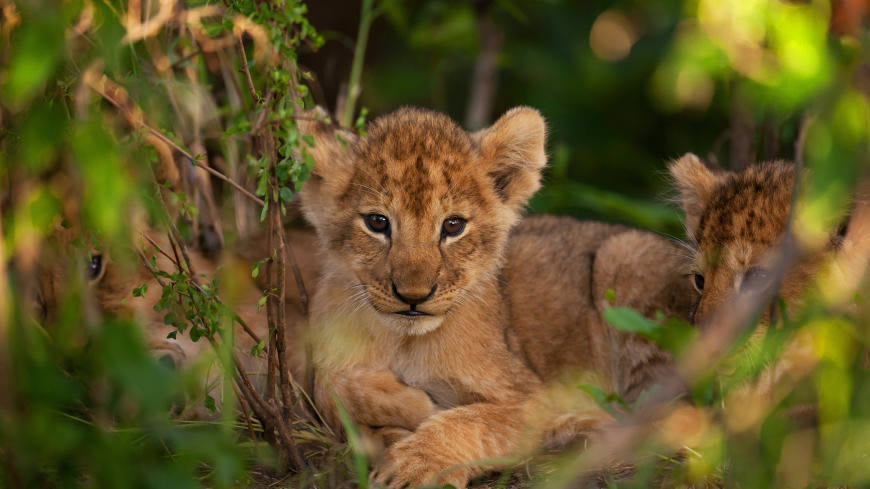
[
  {"x": 444, "y": 448},
  {"x": 455, "y": 445},
  {"x": 374, "y": 397}
]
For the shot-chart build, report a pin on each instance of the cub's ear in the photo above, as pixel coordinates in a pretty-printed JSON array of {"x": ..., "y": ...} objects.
[
  {"x": 514, "y": 150},
  {"x": 332, "y": 149},
  {"x": 696, "y": 184}
]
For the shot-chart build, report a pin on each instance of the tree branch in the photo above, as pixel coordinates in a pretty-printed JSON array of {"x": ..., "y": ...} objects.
[
  {"x": 485, "y": 78},
  {"x": 742, "y": 129}
]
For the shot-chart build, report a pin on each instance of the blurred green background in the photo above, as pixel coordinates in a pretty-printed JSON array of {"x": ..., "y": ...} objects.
[{"x": 610, "y": 136}]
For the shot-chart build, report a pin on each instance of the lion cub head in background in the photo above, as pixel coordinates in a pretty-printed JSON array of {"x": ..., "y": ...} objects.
[
  {"x": 735, "y": 221},
  {"x": 417, "y": 213}
]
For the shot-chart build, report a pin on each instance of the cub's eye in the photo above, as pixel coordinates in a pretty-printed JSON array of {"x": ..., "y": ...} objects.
[
  {"x": 453, "y": 226},
  {"x": 94, "y": 267},
  {"x": 756, "y": 278},
  {"x": 698, "y": 280},
  {"x": 377, "y": 223}
]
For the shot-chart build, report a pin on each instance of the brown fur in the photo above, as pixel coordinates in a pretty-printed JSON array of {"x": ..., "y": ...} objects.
[
  {"x": 467, "y": 381},
  {"x": 557, "y": 314}
]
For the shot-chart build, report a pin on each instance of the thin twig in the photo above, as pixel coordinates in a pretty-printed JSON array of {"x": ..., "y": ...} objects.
[
  {"x": 245, "y": 413},
  {"x": 300, "y": 282},
  {"x": 272, "y": 358},
  {"x": 297, "y": 274},
  {"x": 186, "y": 57},
  {"x": 287, "y": 397},
  {"x": 270, "y": 418},
  {"x": 207, "y": 168},
  {"x": 258, "y": 126},
  {"x": 800, "y": 142},
  {"x": 255, "y": 98}
]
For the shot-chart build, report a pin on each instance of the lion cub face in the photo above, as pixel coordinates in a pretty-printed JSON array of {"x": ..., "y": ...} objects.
[
  {"x": 418, "y": 211},
  {"x": 735, "y": 220}
]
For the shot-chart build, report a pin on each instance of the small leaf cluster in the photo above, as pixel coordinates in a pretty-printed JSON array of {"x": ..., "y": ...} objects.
[{"x": 189, "y": 304}]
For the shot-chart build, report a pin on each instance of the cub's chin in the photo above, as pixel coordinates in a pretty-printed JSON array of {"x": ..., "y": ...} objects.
[{"x": 411, "y": 325}]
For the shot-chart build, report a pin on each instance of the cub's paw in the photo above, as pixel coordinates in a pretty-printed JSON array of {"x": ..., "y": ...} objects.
[
  {"x": 408, "y": 465},
  {"x": 376, "y": 441},
  {"x": 576, "y": 428}
]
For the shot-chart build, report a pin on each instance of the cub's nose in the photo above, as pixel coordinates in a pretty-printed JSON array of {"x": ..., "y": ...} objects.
[{"x": 413, "y": 297}]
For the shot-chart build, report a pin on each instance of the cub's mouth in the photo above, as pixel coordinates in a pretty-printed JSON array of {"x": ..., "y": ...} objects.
[{"x": 413, "y": 313}]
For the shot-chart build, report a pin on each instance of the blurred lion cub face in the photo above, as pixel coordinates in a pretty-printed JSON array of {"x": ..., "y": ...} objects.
[
  {"x": 735, "y": 220},
  {"x": 419, "y": 210},
  {"x": 111, "y": 283}
]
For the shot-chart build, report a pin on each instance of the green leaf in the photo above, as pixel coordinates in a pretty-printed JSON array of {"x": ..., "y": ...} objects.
[
  {"x": 140, "y": 291},
  {"x": 258, "y": 348},
  {"x": 610, "y": 295},
  {"x": 264, "y": 211},
  {"x": 286, "y": 194},
  {"x": 627, "y": 319},
  {"x": 37, "y": 47},
  {"x": 671, "y": 334},
  {"x": 41, "y": 132},
  {"x": 675, "y": 335},
  {"x": 209, "y": 403},
  {"x": 605, "y": 400},
  {"x": 360, "y": 464},
  {"x": 107, "y": 187}
]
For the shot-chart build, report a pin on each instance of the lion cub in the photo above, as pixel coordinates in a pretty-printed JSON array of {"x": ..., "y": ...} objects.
[
  {"x": 408, "y": 321},
  {"x": 735, "y": 222}
]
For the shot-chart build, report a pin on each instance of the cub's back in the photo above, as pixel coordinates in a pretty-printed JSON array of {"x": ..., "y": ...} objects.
[
  {"x": 548, "y": 284},
  {"x": 556, "y": 274}
]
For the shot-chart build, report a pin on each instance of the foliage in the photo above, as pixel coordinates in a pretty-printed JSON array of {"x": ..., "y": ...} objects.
[{"x": 94, "y": 95}]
